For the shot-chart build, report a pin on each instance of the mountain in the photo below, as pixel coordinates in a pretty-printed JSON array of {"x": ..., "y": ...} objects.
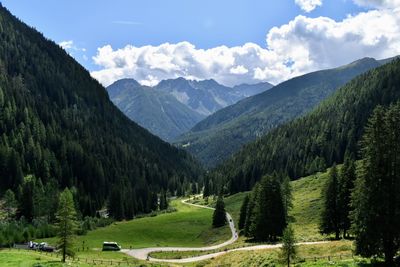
[
  {"x": 217, "y": 137},
  {"x": 59, "y": 128},
  {"x": 309, "y": 144},
  {"x": 159, "y": 112},
  {"x": 174, "y": 106}
]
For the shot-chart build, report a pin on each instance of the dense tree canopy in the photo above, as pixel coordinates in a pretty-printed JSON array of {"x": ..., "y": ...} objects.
[
  {"x": 317, "y": 140},
  {"x": 376, "y": 199},
  {"x": 58, "y": 127}
]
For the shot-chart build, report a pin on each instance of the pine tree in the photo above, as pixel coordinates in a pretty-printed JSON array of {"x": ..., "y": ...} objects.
[
  {"x": 243, "y": 212},
  {"x": 330, "y": 217},
  {"x": 376, "y": 201},
  {"x": 66, "y": 223},
  {"x": 288, "y": 250},
  {"x": 269, "y": 218},
  {"x": 287, "y": 195},
  {"x": 219, "y": 216},
  {"x": 347, "y": 179}
]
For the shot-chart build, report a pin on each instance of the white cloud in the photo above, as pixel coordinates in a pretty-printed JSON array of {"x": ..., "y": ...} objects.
[
  {"x": 66, "y": 44},
  {"x": 308, "y": 5},
  {"x": 300, "y": 46},
  {"x": 69, "y": 46},
  {"x": 378, "y": 3}
]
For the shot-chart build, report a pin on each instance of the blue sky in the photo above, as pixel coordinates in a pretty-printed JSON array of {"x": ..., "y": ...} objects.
[{"x": 205, "y": 24}]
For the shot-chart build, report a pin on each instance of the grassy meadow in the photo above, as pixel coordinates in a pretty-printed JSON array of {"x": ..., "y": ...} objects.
[{"x": 188, "y": 226}]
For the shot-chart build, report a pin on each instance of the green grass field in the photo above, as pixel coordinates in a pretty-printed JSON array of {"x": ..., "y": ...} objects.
[{"x": 188, "y": 226}]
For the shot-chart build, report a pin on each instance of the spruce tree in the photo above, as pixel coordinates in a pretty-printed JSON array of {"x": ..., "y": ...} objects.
[
  {"x": 376, "y": 201},
  {"x": 219, "y": 216},
  {"x": 330, "y": 217},
  {"x": 287, "y": 195},
  {"x": 10, "y": 204},
  {"x": 347, "y": 179},
  {"x": 269, "y": 218},
  {"x": 243, "y": 212},
  {"x": 66, "y": 223},
  {"x": 288, "y": 250}
]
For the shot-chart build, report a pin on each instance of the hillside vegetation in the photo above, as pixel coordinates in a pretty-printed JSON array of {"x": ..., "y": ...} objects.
[
  {"x": 58, "y": 126},
  {"x": 317, "y": 140},
  {"x": 220, "y": 135}
]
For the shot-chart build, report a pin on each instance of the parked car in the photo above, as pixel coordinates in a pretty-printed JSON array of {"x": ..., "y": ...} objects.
[
  {"x": 111, "y": 246},
  {"x": 45, "y": 247}
]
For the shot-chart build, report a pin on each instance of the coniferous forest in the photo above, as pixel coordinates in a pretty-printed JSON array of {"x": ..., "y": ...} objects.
[
  {"x": 59, "y": 129},
  {"x": 317, "y": 140}
]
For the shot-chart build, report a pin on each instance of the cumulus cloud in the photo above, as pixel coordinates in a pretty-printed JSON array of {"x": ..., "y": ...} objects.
[
  {"x": 308, "y": 5},
  {"x": 300, "y": 46},
  {"x": 70, "y": 46}
]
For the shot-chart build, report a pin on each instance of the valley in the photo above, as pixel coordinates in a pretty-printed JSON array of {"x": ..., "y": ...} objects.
[{"x": 147, "y": 133}]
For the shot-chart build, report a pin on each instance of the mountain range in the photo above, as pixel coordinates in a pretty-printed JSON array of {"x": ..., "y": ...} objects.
[
  {"x": 174, "y": 106},
  {"x": 223, "y": 133}
]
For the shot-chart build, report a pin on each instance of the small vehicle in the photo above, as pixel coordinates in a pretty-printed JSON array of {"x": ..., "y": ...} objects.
[
  {"x": 45, "y": 247},
  {"x": 111, "y": 246}
]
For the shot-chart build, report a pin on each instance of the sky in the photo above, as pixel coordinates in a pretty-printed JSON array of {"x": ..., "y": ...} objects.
[{"x": 231, "y": 41}]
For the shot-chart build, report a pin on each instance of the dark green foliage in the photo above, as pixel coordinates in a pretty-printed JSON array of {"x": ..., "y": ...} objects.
[
  {"x": 58, "y": 126},
  {"x": 163, "y": 201},
  {"x": 376, "y": 199},
  {"x": 66, "y": 224},
  {"x": 243, "y": 212},
  {"x": 287, "y": 197},
  {"x": 265, "y": 217},
  {"x": 317, "y": 140},
  {"x": 222, "y": 134},
  {"x": 9, "y": 204},
  {"x": 346, "y": 185},
  {"x": 288, "y": 250},
  {"x": 219, "y": 215},
  {"x": 330, "y": 217}
]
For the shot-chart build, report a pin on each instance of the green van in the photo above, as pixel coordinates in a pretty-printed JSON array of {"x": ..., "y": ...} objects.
[{"x": 111, "y": 246}]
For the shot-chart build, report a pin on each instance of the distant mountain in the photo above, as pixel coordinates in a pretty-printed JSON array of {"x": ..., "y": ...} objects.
[
  {"x": 174, "y": 106},
  {"x": 220, "y": 135},
  {"x": 59, "y": 129},
  {"x": 315, "y": 141},
  {"x": 159, "y": 112}
]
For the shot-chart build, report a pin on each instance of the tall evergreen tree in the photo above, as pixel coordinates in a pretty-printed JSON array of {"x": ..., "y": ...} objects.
[
  {"x": 376, "y": 199},
  {"x": 330, "y": 217},
  {"x": 346, "y": 182},
  {"x": 219, "y": 216},
  {"x": 243, "y": 212},
  {"x": 287, "y": 197},
  {"x": 66, "y": 223},
  {"x": 269, "y": 218},
  {"x": 288, "y": 250}
]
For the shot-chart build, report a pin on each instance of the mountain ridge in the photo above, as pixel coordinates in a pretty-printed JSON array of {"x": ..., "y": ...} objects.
[
  {"x": 217, "y": 137},
  {"x": 174, "y": 106}
]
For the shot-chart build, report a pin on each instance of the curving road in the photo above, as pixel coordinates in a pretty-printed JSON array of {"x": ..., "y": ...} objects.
[{"x": 143, "y": 253}]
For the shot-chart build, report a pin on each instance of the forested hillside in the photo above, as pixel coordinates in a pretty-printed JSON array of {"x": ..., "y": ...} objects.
[
  {"x": 222, "y": 134},
  {"x": 315, "y": 141},
  {"x": 59, "y": 129}
]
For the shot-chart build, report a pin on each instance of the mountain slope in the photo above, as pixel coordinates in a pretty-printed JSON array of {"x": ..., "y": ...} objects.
[
  {"x": 174, "y": 106},
  {"x": 159, "y": 112},
  {"x": 208, "y": 96},
  {"x": 57, "y": 123},
  {"x": 317, "y": 140},
  {"x": 220, "y": 135}
]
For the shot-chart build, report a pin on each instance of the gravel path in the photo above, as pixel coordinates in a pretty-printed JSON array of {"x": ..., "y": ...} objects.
[{"x": 143, "y": 253}]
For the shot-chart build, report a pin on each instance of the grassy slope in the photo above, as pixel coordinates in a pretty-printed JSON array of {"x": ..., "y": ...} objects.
[{"x": 189, "y": 226}]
